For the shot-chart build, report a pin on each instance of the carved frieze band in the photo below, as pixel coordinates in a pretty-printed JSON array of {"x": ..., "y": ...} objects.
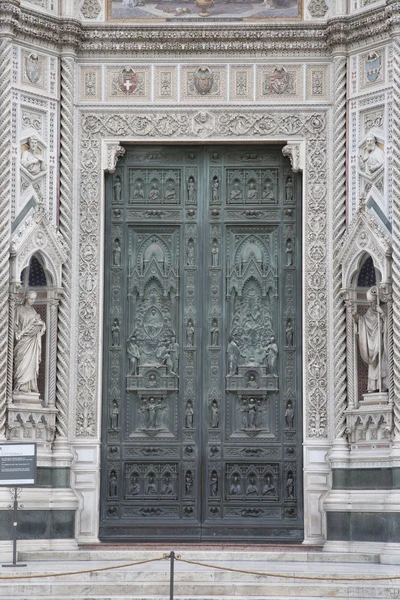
[
  {"x": 193, "y": 125},
  {"x": 5, "y": 207},
  {"x": 66, "y": 196},
  {"x": 339, "y": 229}
]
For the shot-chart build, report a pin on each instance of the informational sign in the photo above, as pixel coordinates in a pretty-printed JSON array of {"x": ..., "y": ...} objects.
[{"x": 17, "y": 464}]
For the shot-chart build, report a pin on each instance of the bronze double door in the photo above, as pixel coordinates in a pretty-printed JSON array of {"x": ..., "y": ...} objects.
[{"x": 202, "y": 346}]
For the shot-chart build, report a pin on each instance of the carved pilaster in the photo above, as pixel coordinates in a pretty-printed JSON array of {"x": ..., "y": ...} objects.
[
  {"x": 66, "y": 195},
  {"x": 5, "y": 205},
  {"x": 52, "y": 357},
  {"x": 10, "y": 365},
  {"x": 350, "y": 362},
  {"x": 339, "y": 229},
  {"x": 396, "y": 236}
]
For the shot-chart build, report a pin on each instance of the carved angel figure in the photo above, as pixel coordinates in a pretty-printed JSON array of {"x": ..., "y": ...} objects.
[
  {"x": 28, "y": 332},
  {"x": 30, "y": 159}
]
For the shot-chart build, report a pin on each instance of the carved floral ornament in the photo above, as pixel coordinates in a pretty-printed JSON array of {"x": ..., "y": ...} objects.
[{"x": 105, "y": 130}]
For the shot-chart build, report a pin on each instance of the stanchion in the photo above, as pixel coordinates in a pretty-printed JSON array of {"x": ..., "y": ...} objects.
[
  {"x": 15, "y": 525},
  {"x": 171, "y": 575}
]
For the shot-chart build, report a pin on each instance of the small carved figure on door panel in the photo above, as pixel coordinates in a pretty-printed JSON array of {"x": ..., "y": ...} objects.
[
  {"x": 191, "y": 190},
  {"x": 235, "y": 489},
  {"x": 134, "y": 355},
  {"x": 214, "y": 417},
  {"x": 233, "y": 356},
  {"x": 236, "y": 193},
  {"x": 138, "y": 192},
  {"x": 252, "y": 489},
  {"x": 289, "y": 252},
  {"x": 251, "y": 413},
  {"x": 190, "y": 333},
  {"x": 190, "y": 253},
  {"x": 189, "y": 481},
  {"x": 214, "y": 333},
  {"x": 175, "y": 352},
  {"x": 289, "y": 415},
  {"x": 117, "y": 189},
  {"x": 114, "y": 416},
  {"x": 113, "y": 484},
  {"x": 117, "y": 253},
  {"x": 151, "y": 489},
  {"x": 269, "y": 487},
  {"x": 289, "y": 189},
  {"x": 215, "y": 190},
  {"x": 115, "y": 331},
  {"x": 252, "y": 382},
  {"x": 271, "y": 355},
  {"x": 154, "y": 193},
  {"x": 289, "y": 332},
  {"x": 290, "y": 485},
  {"x": 252, "y": 194},
  {"x": 134, "y": 488},
  {"x": 167, "y": 487},
  {"x": 152, "y": 381},
  {"x": 170, "y": 193},
  {"x": 214, "y": 483},
  {"x": 214, "y": 253},
  {"x": 189, "y": 414},
  {"x": 268, "y": 191}
]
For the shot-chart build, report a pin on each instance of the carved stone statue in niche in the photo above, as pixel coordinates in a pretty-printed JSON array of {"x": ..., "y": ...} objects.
[
  {"x": 115, "y": 331},
  {"x": 138, "y": 192},
  {"x": 252, "y": 414},
  {"x": 190, "y": 333},
  {"x": 269, "y": 488},
  {"x": 151, "y": 489},
  {"x": 134, "y": 355},
  {"x": 214, "y": 416},
  {"x": 252, "y": 489},
  {"x": 289, "y": 189},
  {"x": 175, "y": 353},
  {"x": 152, "y": 381},
  {"x": 114, "y": 415},
  {"x": 290, "y": 485},
  {"x": 167, "y": 488},
  {"x": 233, "y": 356},
  {"x": 215, "y": 253},
  {"x": 252, "y": 382},
  {"x": 214, "y": 483},
  {"x": 117, "y": 253},
  {"x": 215, "y": 189},
  {"x": 236, "y": 193},
  {"x": 189, "y": 483},
  {"x": 190, "y": 254},
  {"x": 289, "y": 414},
  {"x": 271, "y": 355},
  {"x": 268, "y": 191},
  {"x": 289, "y": 331},
  {"x": 152, "y": 410},
  {"x": 372, "y": 341},
  {"x": 28, "y": 331},
  {"x": 134, "y": 488},
  {"x": 289, "y": 252},
  {"x": 191, "y": 190},
  {"x": 113, "y": 484},
  {"x": 117, "y": 189},
  {"x": 154, "y": 192},
  {"x": 170, "y": 193},
  {"x": 373, "y": 156},
  {"x": 167, "y": 361},
  {"x": 252, "y": 193},
  {"x": 31, "y": 160},
  {"x": 235, "y": 488},
  {"x": 214, "y": 333},
  {"x": 189, "y": 413}
]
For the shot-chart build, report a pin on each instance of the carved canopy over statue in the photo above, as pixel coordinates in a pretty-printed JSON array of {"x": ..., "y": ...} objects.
[{"x": 28, "y": 332}]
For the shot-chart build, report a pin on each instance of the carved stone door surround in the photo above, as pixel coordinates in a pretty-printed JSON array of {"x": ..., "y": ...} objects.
[{"x": 305, "y": 136}]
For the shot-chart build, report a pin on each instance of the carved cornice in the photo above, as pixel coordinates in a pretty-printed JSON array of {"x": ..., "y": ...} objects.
[{"x": 270, "y": 39}]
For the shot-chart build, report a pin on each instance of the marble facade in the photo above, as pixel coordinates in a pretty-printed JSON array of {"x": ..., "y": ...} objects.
[{"x": 320, "y": 87}]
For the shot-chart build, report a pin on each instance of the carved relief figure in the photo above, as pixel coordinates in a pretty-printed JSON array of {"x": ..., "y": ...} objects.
[
  {"x": 167, "y": 487},
  {"x": 134, "y": 355},
  {"x": 170, "y": 193},
  {"x": 190, "y": 258},
  {"x": 252, "y": 489},
  {"x": 269, "y": 488},
  {"x": 214, "y": 333},
  {"x": 268, "y": 191},
  {"x": 154, "y": 192},
  {"x": 189, "y": 483},
  {"x": 152, "y": 381},
  {"x": 191, "y": 190},
  {"x": 251, "y": 413},
  {"x": 289, "y": 252},
  {"x": 215, "y": 254},
  {"x": 175, "y": 353},
  {"x": 271, "y": 354},
  {"x": 252, "y": 193},
  {"x": 235, "y": 488},
  {"x": 31, "y": 159},
  {"x": 134, "y": 489},
  {"x": 214, "y": 418},
  {"x": 251, "y": 382},
  {"x": 113, "y": 485},
  {"x": 203, "y": 124},
  {"x": 289, "y": 414},
  {"x": 28, "y": 331},
  {"x": 233, "y": 356},
  {"x": 373, "y": 156},
  {"x": 214, "y": 483},
  {"x": 138, "y": 192},
  {"x": 215, "y": 189},
  {"x": 117, "y": 253},
  {"x": 289, "y": 189},
  {"x": 114, "y": 417},
  {"x": 189, "y": 415},
  {"x": 117, "y": 189},
  {"x": 115, "y": 330},
  {"x": 372, "y": 341},
  {"x": 167, "y": 360},
  {"x": 289, "y": 332},
  {"x": 236, "y": 193},
  {"x": 151, "y": 486},
  {"x": 190, "y": 333},
  {"x": 290, "y": 485}
]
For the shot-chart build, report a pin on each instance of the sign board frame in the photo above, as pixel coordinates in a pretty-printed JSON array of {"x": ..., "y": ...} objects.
[{"x": 19, "y": 459}]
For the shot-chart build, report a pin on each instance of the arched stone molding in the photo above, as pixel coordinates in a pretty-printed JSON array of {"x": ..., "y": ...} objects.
[
  {"x": 369, "y": 421},
  {"x": 102, "y": 135},
  {"x": 36, "y": 236}
]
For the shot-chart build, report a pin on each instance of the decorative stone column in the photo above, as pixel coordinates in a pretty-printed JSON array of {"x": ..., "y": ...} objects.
[{"x": 340, "y": 447}]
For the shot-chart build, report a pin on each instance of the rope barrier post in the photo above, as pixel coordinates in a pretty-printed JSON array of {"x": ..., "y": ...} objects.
[
  {"x": 15, "y": 525},
  {"x": 171, "y": 575}
]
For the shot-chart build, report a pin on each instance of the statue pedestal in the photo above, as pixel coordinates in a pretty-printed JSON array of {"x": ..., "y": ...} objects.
[
  {"x": 375, "y": 398},
  {"x": 26, "y": 398}
]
